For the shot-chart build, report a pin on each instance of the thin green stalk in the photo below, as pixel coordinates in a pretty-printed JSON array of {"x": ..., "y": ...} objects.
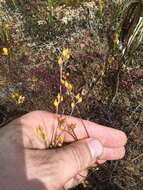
[{"x": 50, "y": 9}]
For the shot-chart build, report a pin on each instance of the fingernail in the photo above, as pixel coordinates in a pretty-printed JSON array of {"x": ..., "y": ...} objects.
[{"x": 96, "y": 148}]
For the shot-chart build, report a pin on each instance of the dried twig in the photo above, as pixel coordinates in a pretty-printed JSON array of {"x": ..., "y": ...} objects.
[{"x": 138, "y": 157}]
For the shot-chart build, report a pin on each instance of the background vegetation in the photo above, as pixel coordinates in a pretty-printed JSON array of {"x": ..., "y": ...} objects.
[{"x": 103, "y": 64}]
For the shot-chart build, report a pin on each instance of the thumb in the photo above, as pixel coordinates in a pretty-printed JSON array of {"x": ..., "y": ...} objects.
[{"x": 76, "y": 157}]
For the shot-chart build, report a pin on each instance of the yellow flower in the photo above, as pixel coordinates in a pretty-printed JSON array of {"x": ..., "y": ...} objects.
[
  {"x": 85, "y": 183},
  {"x": 78, "y": 98},
  {"x": 60, "y": 61},
  {"x": 59, "y": 140},
  {"x": 34, "y": 79},
  {"x": 68, "y": 86},
  {"x": 62, "y": 81},
  {"x": 21, "y": 99},
  {"x": 72, "y": 105},
  {"x": 58, "y": 100},
  {"x": 61, "y": 122},
  {"x": 6, "y": 26},
  {"x": 102, "y": 73},
  {"x": 66, "y": 54},
  {"x": 15, "y": 95},
  {"x": 56, "y": 104},
  {"x": 5, "y": 51},
  {"x": 111, "y": 59},
  {"x": 115, "y": 38},
  {"x": 41, "y": 133}
]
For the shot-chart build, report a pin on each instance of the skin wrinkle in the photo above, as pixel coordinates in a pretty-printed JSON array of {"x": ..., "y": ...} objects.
[
  {"x": 60, "y": 162},
  {"x": 77, "y": 179},
  {"x": 43, "y": 165},
  {"x": 51, "y": 173},
  {"x": 79, "y": 159}
]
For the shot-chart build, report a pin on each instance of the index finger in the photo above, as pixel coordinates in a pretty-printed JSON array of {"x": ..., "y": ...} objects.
[{"x": 108, "y": 136}]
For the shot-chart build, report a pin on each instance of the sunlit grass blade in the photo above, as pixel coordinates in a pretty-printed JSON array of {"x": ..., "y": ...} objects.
[{"x": 137, "y": 36}]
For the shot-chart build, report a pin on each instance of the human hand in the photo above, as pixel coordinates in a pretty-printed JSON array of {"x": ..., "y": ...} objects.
[{"x": 27, "y": 164}]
